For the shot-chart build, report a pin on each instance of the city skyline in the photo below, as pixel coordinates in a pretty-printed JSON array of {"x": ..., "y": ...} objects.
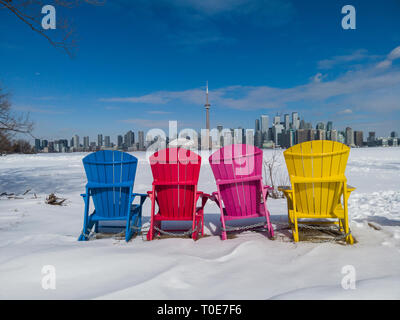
[
  {"x": 279, "y": 57},
  {"x": 284, "y": 132}
]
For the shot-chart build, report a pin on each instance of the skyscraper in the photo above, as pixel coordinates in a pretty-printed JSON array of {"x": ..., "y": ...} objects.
[
  {"x": 257, "y": 125},
  {"x": 76, "y": 141},
  {"x": 358, "y": 138},
  {"x": 320, "y": 126},
  {"x": 349, "y": 137},
  {"x": 277, "y": 131},
  {"x": 86, "y": 143},
  {"x": 295, "y": 121},
  {"x": 119, "y": 141},
  {"x": 129, "y": 139},
  {"x": 99, "y": 140},
  {"x": 264, "y": 123},
  {"x": 258, "y": 139},
  {"x": 37, "y": 145},
  {"x": 107, "y": 141},
  {"x": 286, "y": 120},
  {"x": 141, "y": 140},
  {"x": 249, "y": 137}
]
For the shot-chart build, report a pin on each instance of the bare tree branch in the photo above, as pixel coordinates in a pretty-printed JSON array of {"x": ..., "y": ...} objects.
[
  {"x": 11, "y": 123},
  {"x": 25, "y": 11}
]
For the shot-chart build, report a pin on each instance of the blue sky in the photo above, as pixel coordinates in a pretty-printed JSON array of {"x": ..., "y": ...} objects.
[{"x": 141, "y": 63}]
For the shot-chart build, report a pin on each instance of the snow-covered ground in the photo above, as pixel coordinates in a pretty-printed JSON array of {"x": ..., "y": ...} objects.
[{"x": 250, "y": 266}]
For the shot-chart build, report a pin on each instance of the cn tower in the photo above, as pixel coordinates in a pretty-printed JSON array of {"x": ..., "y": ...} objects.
[{"x": 207, "y": 106}]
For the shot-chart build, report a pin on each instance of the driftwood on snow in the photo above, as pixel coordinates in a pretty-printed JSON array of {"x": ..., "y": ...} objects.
[{"x": 54, "y": 200}]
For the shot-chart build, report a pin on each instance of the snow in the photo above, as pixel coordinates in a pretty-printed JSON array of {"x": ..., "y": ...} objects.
[{"x": 249, "y": 266}]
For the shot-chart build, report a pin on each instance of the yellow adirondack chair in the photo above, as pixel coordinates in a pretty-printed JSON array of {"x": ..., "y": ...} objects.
[{"x": 319, "y": 186}]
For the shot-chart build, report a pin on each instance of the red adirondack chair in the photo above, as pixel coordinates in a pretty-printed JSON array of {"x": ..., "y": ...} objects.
[
  {"x": 238, "y": 173},
  {"x": 176, "y": 173}
]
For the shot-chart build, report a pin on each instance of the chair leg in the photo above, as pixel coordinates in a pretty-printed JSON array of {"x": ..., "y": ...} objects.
[
  {"x": 295, "y": 230},
  {"x": 87, "y": 227},
  {"x": 223, "y": 233},
  {"x": 150, "y": 234},
  {"x": 128, "y": 229},
  {"x": 96, "y": 227},
  {"x": 269, "y": 225},
  {"x": 349, "y": 238},
  {"x": 202, "y": 225},
  {"x": 198, "y": 224}
]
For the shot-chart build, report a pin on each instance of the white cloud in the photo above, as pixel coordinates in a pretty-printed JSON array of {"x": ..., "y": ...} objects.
[
  {"x": 359, "y": 55},
  {"x": 346, "y": 111},
  {"x": 393, "y": 55},
  {"x": 367, "y": 88}
]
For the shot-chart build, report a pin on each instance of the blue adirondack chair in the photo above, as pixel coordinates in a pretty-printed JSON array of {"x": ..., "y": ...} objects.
[{"x": 111, "y": 175}]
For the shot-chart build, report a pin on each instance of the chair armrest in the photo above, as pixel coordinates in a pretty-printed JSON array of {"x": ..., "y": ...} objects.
[
  {"x": 350, "y": 188},
  {"x": 203, "y": 194},
  {"x": 204, "y": 198},
  {"x": 285, "y": 188},
  {"x": 143, "y": 197},
  {"x": 83, "y": 195},
  {"x": 140, "y": 194}
]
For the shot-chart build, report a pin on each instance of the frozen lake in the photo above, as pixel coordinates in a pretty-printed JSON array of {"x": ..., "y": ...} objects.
[{"x": 249, "y": 266}]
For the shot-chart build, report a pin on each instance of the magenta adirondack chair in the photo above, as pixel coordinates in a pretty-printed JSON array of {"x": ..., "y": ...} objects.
[
  {"x": 176, "y": 173},
  {"x": 241, "y": 194}
]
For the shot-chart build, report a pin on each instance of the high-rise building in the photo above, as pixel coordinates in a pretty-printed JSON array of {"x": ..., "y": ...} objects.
[
  {"x": 250, "y": 136},
  {"x": 107, "y": 141},
  {"x": 37, "y": 145},
  {"x": 264, "y": 124},
  {"x": 129, "y": 139},
  {"x": 320, "y": 134},
  {"x": 320, "y": 126},
  {"x": 220, "y": 128},
  {"x": 286, "y": 120},
  {"x": 349, "y": 137},
  {"x": 86, "y": 143},
  {"x": 276, "y": 130},
  {"x": 394, "y": 134},
  {"x": 99, "y": 140},
  {"x": 358, "y": 138},
  {"x": 277, "y": 120},
  {"x": 258, "y": 139},
  {"x": 257, "y": 125},
  {"x": 227, "y": 137},
  {"x": 333, "y": 135},
  {"x": 141, "y": 140},
  {"x": 329, "y": 126},
  {"x": 76, "y": 141},
  {"x": 45, "y": 144},
  {"x": 120, "y": 141},
  {"x": 295, "y": 121},
  {"x": 238, "y": 136},
  {"x": 304, "y": 135},
  {"x": 288, "y": 138}
]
